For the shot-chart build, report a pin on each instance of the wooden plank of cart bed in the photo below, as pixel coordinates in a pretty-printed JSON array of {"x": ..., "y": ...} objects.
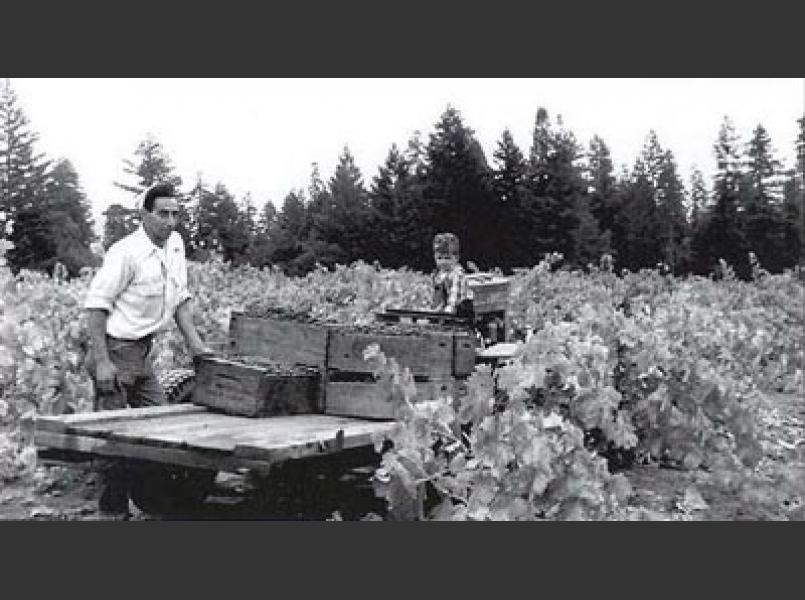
[
  {"x": 226, "y": 437},
  {"x": 63, "y": 422},
  {"x": 189, "y": 422},
  {"x": 215, "y": 424},
  {"x": 231, "y": 431},
  {"x": 175, "y": 456},
  {"x": 219, "y": 435},
  {"x": 358, "y": 432}
]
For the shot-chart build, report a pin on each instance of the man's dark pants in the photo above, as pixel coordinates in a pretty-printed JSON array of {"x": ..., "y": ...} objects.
[{"x": 137, "y": 385}]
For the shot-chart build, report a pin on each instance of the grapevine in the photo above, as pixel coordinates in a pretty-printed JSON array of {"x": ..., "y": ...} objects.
[{"x": 614, "y": 369}]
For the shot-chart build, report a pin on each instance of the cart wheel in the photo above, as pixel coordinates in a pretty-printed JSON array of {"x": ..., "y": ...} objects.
[
  {"x": 167, "y": 490},
  {"x": 178, "y": 385}
]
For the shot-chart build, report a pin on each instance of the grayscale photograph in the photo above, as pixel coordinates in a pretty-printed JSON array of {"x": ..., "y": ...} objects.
[{"x": 402, "y": 299}]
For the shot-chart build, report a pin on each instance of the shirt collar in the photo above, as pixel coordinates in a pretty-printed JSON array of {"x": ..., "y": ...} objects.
[{"x": 143, "y": 244}]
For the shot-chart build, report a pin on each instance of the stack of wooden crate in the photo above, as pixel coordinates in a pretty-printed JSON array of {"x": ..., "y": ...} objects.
[{"x": 278, "y": 367}]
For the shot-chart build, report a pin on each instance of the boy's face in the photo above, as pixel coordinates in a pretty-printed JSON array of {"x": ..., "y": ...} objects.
[{"x": 444, "y": 261}]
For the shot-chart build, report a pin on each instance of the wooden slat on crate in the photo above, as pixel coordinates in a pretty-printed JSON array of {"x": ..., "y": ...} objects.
[
  {"x": 281, "y": 341},
  {"x": 429, "y": 354},
  {"x": 378, "y": 400},
  {"x": 393, "y": 315},
  {"x": 255, "y": 391},
  {"x": 464, "y": 350}
]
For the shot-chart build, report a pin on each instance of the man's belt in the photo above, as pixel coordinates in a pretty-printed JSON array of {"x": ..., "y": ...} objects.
[{"x": 146, "y": 340}]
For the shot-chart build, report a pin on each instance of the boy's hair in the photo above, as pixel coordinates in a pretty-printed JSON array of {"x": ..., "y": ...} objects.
[
  {"x": 445, "y": 243},
  {"x": 160, "y": 190}
]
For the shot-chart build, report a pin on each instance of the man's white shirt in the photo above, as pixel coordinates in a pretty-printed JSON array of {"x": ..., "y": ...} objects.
[{"x": 140, "y": 285}]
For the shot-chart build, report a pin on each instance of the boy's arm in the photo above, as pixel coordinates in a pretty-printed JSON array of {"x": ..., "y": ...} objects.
[
  {"x": 457, "y": 283},
  {"x": 437, "y": 302}
]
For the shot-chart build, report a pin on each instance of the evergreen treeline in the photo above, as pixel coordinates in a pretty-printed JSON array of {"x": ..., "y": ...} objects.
[{"x": 558, "y": 197}]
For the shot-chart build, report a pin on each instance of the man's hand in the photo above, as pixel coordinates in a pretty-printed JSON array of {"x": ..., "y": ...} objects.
[
  {"x": 199, "y": 351},
  {"x": 106, "y": 377}
]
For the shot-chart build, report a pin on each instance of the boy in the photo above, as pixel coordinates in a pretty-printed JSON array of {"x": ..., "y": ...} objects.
[{"x": 451, "y": 292}]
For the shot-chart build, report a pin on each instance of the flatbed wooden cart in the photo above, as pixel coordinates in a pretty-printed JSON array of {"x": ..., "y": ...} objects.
[
  {"x": 288, "y": 391},
  {"x": 176, "y": 451}
]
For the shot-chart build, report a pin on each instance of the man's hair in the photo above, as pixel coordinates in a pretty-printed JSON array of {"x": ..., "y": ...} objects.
[{"x": 160, "y": 190}]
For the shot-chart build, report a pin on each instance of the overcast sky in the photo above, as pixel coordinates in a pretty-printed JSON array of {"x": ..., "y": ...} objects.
[{"x": 261, "y": 135}]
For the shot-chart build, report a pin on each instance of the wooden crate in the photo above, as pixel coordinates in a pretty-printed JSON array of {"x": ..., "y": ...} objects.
[
  {"x": 430, "y": 354},
  {"x": 435, "y": 359},
  {"x": 287, "y": 342},
  {"x": 490, "y": 294},
  {"x": 254, "y": 390},
  {"x": 379, "y": 400}
]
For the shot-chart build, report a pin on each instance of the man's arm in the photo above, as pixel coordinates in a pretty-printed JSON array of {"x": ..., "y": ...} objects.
[
  {"x": 110, "y": 280},
  {"x": 184, "y": 319},
  {"x": 105, "y": 370}
]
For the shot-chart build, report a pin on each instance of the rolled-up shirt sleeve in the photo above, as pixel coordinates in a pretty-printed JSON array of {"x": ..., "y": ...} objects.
[{"x": 110, "y": 280}]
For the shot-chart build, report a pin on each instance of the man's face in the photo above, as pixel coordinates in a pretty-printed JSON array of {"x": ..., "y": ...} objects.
[
  {"x": 161, "y": 221},
  {"x": 445, "y": 261}
]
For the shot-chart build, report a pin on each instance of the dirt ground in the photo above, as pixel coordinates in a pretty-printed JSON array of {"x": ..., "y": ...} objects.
[{"x": 59, "y": 492}]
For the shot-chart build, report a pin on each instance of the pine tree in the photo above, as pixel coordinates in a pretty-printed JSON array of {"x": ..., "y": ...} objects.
[
  {"x": 150, "y": 166},
  {"x": 23, "y": 171},
  {"x": 636, "y": 241},
  {"x": 70, "y": 219},
  {"x": 398, "y": 233},
  {"x": 248, "y": 213},
  {"x": 248, "y": 225},
  {"x": 194, "y": 198},
  {"x": 601, "y": 182},
  {"x": 794, "y": 205},
  {"x": 763, "y": 170},
  {"x": 457, "y": 186},
  {"x": 698, "y": 198},
  {"x": 344, "y": 225},
  {"x": 23, "y": 188},
  {"x": 672, "y": 224},
  {"x": 720, "y": 235},
  {"x": 382, "y": 208},
  {"x": 65, "y": 195},
  {"x": 557, "y": 200},
  {"x": 289, "y": 245},
  {"x": 762, "y": 217},
  {"x": 268, "y": 215},
  {"x": 650, "y": 223},
  {"x": 589, "y": 244},
  {"x": 320, "y": 201},
  {"x": 509, "y": 182},
  {"x": 261, "y": 247},
  {"x": 220, "y": 227}
]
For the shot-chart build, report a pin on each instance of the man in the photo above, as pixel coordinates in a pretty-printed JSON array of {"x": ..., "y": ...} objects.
[{"x": 139, "y": 289}]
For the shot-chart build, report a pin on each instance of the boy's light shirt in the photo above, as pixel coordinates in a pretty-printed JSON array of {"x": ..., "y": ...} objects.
[{"x": 454, "y": 282}]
